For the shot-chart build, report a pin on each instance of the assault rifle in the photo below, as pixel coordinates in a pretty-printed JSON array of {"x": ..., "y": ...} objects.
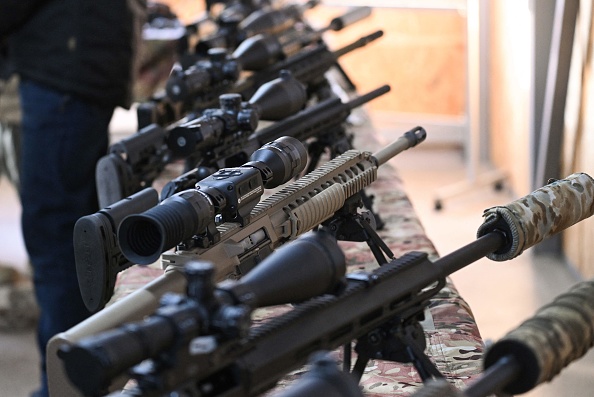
[
  {"x": 201, "y": 343},
  {"x": 97, "y": 253},
  {"x": 136, "y": 161},
  {"x": 198, "y": 89}
]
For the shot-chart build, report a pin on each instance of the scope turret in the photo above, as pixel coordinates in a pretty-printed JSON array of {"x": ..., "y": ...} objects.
[{"x": 274, "y": 100}]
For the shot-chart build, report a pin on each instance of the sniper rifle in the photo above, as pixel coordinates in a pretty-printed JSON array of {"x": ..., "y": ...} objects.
[
  {"x": 199, "y": 88},
  {"x": 97, "y": 253},
  {"x": 202, "y": 344},
  {"x": 136, "y": 161}
]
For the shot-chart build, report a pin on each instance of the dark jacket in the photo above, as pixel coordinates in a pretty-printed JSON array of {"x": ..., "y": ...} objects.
[{"x": 83, "y": 47}]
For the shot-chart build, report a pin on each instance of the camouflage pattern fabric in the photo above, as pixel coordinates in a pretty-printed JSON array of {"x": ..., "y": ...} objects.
[
  {"x": 558, "y": 334},
  {"x": 542, "y": 213},
  {"x": 454, "y": 343}
]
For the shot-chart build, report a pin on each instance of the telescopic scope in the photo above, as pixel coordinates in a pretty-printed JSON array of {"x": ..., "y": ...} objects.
[
  {"x": 274, "y": 100},
  {"x": 229, "y": 194}
]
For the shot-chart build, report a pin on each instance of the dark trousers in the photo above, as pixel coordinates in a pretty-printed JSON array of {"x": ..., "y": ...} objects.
[{"x": 62, "y": 139}]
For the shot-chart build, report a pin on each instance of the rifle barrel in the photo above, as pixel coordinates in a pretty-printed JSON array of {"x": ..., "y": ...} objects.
[
  {"x": 408, "y": 140},
  {"x": 360, "y": 100},
  {"x": 363, "y": 41}
]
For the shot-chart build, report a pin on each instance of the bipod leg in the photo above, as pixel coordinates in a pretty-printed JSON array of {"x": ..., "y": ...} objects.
[
  {"x": 346, "y": 359},
  {"x": 368, "y": 203},
  {"x": 359, "y": 367},
  {"x": 376, "y": 244},
  {"x": 398, "y": 342},
  {"x": 418, "y": 358},
  {"x": 314, "y": 150}
]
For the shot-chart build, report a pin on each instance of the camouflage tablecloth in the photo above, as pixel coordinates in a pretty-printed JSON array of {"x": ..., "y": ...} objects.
[{"x": 454, "y": 343}]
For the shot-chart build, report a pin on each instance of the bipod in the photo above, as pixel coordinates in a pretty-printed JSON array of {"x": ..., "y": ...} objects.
[
  {"x": 404, "y": 343},
  {"x": 348, "y": 224}
]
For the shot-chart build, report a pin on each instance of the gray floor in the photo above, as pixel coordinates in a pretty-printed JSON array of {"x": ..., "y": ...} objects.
[{"x": 501, "y": 295}]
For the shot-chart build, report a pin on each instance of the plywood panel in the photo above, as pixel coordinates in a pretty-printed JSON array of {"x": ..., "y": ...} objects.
[{"x": 421, "y": 56}]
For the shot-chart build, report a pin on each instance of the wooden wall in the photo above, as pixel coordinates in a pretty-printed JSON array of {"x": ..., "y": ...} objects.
[{"x": 421, "y": 55}]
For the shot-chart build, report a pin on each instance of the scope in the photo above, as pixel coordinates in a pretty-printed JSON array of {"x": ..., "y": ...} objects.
[
  {"x": 275, "y": 100},
  {"x": 228, "y": 195}
]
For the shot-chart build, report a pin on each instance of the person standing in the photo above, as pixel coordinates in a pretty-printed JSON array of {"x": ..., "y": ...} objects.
[{"x": 75, "y": 61}]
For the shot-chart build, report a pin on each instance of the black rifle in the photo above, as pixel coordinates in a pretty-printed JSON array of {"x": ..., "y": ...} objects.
[
  {"x": 322, "y": 126},
  {"x": 199, "y": 87},
  {"x": 136, "y": 161},
  {"x": 202, "y": 344},
  {"x": 217, "y": 70},
  {"x": 239, "y": 22}
]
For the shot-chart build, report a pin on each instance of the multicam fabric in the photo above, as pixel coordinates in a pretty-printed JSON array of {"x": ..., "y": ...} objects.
[
  {"x": 454, "y": 343},
  {"x": 541, "y": 214},
  {"x": 558, "y": 334}
]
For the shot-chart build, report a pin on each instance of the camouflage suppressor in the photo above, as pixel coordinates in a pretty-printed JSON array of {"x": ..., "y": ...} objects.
[
  {"x": 375, "y": 308},
  {"x": 540, "y": 214},
  {"x": 535, "y": 352}
]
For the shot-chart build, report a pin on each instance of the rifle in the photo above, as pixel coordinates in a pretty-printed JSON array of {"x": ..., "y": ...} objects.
[
  {"x": 295, "y": 209},
  {"x": 238, "y": 23},
  {"x": 97, "y": 253},
  {"x": 196, "y": 344},
  {"x": 136, "y": 161},
  {"x": 217, "y": 70},
  {"x": 323, "y": 121},
  {"x": 193, "y": 91}
]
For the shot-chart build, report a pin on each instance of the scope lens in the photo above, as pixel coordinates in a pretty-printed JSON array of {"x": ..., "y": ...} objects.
[
  {"x": 144, "y": 237},
  {"x": 286, "y": 157}
]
